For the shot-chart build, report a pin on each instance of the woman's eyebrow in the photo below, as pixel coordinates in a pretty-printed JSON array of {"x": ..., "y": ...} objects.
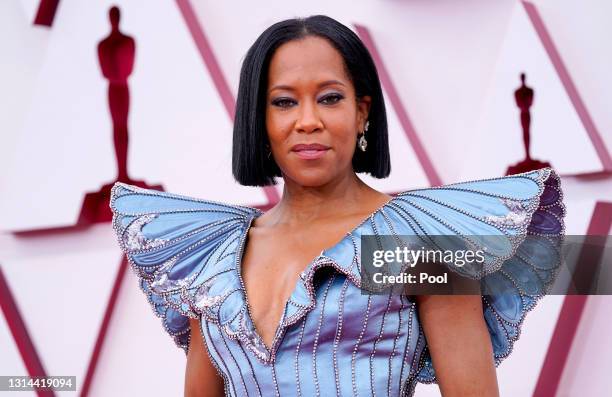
[
  {"x": 290, "y": 88},
  {"x": 330, "y": 82}
]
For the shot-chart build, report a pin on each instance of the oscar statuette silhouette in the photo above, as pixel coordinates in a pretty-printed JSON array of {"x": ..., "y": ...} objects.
[
  {"x": 116, "y": 54},
  {"x": 524, "y": 99}
]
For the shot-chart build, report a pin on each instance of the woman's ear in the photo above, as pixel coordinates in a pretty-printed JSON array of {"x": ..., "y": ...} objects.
[{"x": 363, "y": 111}]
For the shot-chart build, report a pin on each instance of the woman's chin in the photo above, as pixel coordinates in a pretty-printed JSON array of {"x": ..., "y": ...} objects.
[{"x": 313, "y": 178}]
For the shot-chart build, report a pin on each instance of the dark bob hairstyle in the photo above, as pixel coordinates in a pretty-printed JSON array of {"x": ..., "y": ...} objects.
[{"x": 251, "y": 165}]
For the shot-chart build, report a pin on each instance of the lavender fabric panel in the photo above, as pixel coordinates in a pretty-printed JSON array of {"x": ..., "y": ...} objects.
[{"x": 332, "y": 339}]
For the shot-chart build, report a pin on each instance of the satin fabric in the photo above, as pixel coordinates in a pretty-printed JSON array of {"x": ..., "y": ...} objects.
[{"x": 332, "y": 338}]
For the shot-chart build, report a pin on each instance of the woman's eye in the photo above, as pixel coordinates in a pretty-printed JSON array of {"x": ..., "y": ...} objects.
[
  {"x": 331, "y": 99},
  {"x": 288, "y": 102},
  {"x": 282, "y": 102}
]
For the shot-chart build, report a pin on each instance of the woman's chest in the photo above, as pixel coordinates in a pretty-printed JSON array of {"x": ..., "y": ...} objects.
[
  {"x": 346, "y": 341},
  {"x": 270, "y": 269}
]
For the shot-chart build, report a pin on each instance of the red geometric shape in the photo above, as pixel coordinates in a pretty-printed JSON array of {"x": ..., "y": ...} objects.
[
  {"x": 108, "y": 313},
  {"x": 570, "y": 87},
  {"x": 20, "y": 333},
  {"x": 46, "y": 12},
  {"x": 400, "y": 110},
  {"x": 569, "y": 317},
  {"x": 216, "y": 74}
]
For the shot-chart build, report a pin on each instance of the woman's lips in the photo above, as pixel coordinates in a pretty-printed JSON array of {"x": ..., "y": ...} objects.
[
  {"x": 310, "y": 154},
  {"x": 310, "y": 151}
]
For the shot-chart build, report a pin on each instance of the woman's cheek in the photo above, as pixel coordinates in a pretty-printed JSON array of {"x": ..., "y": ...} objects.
[{"x": 346, "y": 147}]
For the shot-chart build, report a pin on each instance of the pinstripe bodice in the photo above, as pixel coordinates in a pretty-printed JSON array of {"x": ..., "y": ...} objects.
[
  {"x": 348, "y": 343},
  {"x": 332, "y": 338}
]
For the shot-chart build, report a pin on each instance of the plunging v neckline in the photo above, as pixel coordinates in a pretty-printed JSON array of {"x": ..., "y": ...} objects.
[{"x": 240, "y": 257}]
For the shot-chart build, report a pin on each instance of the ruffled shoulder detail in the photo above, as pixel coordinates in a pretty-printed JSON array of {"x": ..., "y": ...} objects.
[
  {"x": 497, "y": 213},
  {"x": 186, "y": 253},
  {"x": 183, "y": 251},
  {"x": 518, "y": 218}
]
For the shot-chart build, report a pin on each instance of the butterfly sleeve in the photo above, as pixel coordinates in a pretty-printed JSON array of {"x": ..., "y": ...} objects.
[
  {"x": 177, "y": 246},
  {"x": 518, "y": 222}
]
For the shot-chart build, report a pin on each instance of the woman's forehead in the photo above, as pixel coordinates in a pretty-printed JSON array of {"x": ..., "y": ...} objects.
[{"x": 312, "y": 59}]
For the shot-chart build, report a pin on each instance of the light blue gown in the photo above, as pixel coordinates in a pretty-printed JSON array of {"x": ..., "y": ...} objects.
[{"x": 332, "y": 339}]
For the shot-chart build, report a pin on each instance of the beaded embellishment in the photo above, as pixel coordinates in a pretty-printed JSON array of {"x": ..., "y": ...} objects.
[{"x": 187, "y": 251}]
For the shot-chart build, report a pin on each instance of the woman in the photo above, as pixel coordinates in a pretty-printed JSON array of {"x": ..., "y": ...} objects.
[{"x": 271, "y": 303}]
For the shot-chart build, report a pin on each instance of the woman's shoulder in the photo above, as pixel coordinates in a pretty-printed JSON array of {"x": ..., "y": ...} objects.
[
  {"x": 126, "y": 198},
  {"x": 515, "y": 227},
  {"x": 497, "y": 213},
  {"x": 510, "y": 203},
  {"x": 182, "y": 249},
  {"x": 145, "y": 217}
]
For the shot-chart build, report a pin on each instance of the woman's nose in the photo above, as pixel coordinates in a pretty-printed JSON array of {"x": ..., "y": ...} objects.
[{"x": 308, "y": 118}]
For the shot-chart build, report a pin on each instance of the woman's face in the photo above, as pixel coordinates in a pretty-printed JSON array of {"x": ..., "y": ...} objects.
[{"x": 312, "y": 115}]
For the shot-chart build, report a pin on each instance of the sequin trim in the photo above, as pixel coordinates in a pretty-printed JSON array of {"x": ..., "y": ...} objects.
[
  {"x": 425, "y": 372},
  {"x": 199, "y": 301}
]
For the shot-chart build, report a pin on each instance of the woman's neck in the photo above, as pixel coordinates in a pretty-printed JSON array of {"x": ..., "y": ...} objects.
[{"x": 304, "y": 204}]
